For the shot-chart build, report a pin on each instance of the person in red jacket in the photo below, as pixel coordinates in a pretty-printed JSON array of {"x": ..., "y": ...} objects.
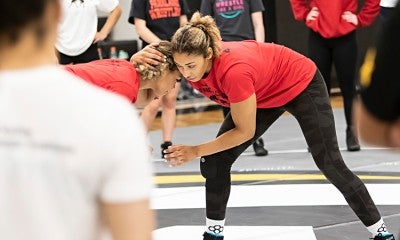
[
  {"x": 259, "y": 82},
  {"x": 139, "y": 85},
  {"x": 332, "y": 39}
]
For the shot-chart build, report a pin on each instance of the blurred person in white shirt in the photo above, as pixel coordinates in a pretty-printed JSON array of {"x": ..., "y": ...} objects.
[{"x": 74, "y": 159}]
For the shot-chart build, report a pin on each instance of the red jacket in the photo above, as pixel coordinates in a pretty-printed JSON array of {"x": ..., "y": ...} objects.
[{"x": 329, "y": 23}]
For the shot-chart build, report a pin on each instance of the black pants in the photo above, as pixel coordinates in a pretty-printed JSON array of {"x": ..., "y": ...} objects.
[
  {"x": 342, "y": 52},
  {"x": 89, "y": 55},
  {"x": 313, "y": 112}
]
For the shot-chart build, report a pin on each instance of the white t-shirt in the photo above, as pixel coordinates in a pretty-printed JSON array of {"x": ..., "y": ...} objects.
[
  {"x": 78, "y": 25},
  {"x": 65, "y": 146},
  {"x": 389, "y": 3}
]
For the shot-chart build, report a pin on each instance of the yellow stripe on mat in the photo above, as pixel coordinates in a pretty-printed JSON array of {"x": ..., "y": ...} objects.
[{"x": 260, "y": 177}]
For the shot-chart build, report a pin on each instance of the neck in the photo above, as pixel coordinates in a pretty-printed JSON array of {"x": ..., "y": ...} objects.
[
  {"x": 27, "y": 54},
  {"x": 208, "y": 68},
  {"x": 144, "y": 84}
]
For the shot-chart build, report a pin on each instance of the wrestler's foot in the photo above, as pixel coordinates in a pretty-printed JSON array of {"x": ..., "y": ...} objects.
[
  {"x": 351, "y": 140},
  {"x": 381, "y": 236},
  {"x": 209, "y": 236},
  {"x": 259, "y": 149},
  {"x": 165, "y": 146}
]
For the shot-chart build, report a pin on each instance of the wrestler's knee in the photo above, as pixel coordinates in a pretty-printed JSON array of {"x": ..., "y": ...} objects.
[{"x": 208, "y": 167}]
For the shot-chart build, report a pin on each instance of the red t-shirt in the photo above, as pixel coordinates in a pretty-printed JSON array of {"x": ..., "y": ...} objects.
[
  {"x": 276, "y": 74},
  {"x": 115, "y": 75},
  {"x": 329, "y": 23}
]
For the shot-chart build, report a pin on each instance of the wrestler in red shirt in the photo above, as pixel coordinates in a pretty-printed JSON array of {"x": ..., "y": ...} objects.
[
  {"x": 259, "y": 82},
  {"x": 237, "y": 74},
  {"x": 139, "y": 85}
]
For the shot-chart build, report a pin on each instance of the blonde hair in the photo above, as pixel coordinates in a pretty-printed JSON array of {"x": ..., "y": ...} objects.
[
  {"x": 197, "y": 36},
  {"x": 147, "y": 73}
]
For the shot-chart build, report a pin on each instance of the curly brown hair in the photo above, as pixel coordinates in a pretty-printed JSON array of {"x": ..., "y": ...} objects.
[
  {"x": 197, "y": 36},
  {"x": 147, "y": 73}
]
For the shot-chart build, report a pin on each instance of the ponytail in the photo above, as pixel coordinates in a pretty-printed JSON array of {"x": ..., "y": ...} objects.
[{"x": 197, "y": 36}]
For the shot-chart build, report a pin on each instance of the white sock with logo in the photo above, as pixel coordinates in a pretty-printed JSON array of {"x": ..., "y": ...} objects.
[
  {"x": 378, "y": 229},
  {"x": 215, "y": 227}
]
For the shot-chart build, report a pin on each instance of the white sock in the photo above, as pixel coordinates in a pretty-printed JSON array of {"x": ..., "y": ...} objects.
[
  {"x": 378, "y": 228},
  {"x": 215, "y": 227}
]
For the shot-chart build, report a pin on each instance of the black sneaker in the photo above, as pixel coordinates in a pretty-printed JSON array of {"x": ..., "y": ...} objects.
[
  {"x": 207, "y": 236},
  {"x": 351, "y": 140},
  {"x": 383, "y": 237},
  {"x": 165, "y": 146},
  {"x": 259, "y": 149}
]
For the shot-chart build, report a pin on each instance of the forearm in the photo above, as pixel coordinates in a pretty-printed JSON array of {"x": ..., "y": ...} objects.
[
  {"x": 112, "y": 19},
  {"x": 244, "y": 121},
  {"x": 259, "y": 33},
  {"x": 183, "y": 20},
  {"x": 147, "y": 35},
  {"x": 258, "y": 26},
  {"x": 242, "y": 127},
  {"x": 227, "y": 140}
]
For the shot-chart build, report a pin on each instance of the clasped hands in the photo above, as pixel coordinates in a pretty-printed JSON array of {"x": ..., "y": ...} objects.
[{"x": 177, "y": 155}]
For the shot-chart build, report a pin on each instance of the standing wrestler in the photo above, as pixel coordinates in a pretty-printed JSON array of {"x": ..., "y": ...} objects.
[{"x": 259, "y": 82}]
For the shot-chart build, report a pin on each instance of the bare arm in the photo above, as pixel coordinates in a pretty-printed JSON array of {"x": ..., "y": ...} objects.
[
  {"x": 144, "y": 32},
  {"x": 112, "y": 19},
  {"x": 183, "y": 20},
  {"x": 244, "y": 117},
  {"x": 258, "y": 25},
  {"x": 129, "y": 221},
  {"x": 374, "y": 131}
]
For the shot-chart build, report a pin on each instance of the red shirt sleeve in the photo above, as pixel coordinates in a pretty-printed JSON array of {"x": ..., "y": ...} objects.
[
  {"x": 300, "y": 9},
  {"x": 368, "y": 13},
  {"x": 238, "y": 82}
]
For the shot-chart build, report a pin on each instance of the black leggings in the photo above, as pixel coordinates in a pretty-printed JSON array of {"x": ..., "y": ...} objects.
[
  {"x": 342, "y": 52},
  {"x": 314, "y": 114}
]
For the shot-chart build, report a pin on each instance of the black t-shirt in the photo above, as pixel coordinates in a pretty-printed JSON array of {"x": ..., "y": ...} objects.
[
  {"x": 161, "y": 16},
  {"x": 233, "y": 18},
  {"x": 382, "y": 96}
]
